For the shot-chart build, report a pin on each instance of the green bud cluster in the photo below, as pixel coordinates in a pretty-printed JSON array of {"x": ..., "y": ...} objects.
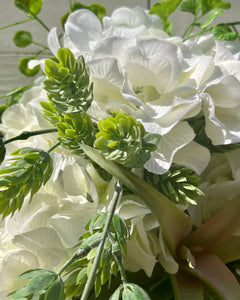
[
  {"x": 30, "y": 169},
  {"x": 114, "y": 245},
  {"x": 68, "y": 83},
  {"x": 75, "y": 129},
  {"x": 178, "y": 184},
  {"x": 123, "y": 139}
]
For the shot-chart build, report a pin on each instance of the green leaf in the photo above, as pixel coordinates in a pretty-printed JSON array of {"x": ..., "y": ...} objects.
[
  {"x": 31, "y": 273},
  {"x": 138, "y": 292},
  {"x": 55, "y": 290},
  {"x": 175, "y": 224},
  {"x": 211, "y": 17},
  {"x": 40, "y": 281},
  {"x": 208, "y": 5},
  {"x": 2, "y": 151},
  {"x": 22, "y": 39},
  {"x": 117, "y": 294},
  {"x": 163, "y": 9},
  {"x": 191, "y": 6},
  {"x": 223, "y": 32},
  {"x": 23, "y": 67},
  {"x": 29, "y": 6}
]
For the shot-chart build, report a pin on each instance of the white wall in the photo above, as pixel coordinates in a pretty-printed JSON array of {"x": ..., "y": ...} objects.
[{"x": 10, "y": 77}]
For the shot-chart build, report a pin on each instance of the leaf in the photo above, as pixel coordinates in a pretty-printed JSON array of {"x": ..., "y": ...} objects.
[
  {"x": 211, "y": 270},
  {"x": 30, "y": 273},
  {"x": 40, "y": 281},
  {"x": 22, "y": 39},
  {"x": 23, "y": 67},
  {"x": 223, "y": 32},
  {"x": 29, "y": 6},
  {"x": 176, "y": 225},
  {"x": 218, "y": 229},
  {"x": 211, "y": 16},
  {"x": 186, "y": 286},
  {"x": 163, "y": 9},
  {"x": 139, "y": 293},
  {"x": 2, "y": 151},
  {"x": 191, "y": 6},
  {"x": 208, "y": 5},
  {"x": 55, "y": 290}
]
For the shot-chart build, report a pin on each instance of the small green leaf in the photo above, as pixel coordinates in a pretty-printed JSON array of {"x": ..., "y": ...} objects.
[
  {"x": 223, "y": 32},
  {"x": 29, "y": 6},
  {"x": 40, "y": 281},
  {"x": 117, "y": 294},
  {"x": 23, "y": 67},
  {"x": 55, "y": 290},
  {"x": 208, "y": 5},
  {"x": 31, "y": 273},
  {"x": 139, "y": 293},
  {"x": 22, "y": 39},
  {"x": 191, "y": 6},
  {"x": 163, "y": 9},
  {"x": 211, "y": 17}
]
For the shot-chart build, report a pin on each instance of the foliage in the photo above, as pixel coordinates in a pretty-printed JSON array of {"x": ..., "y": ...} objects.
[
  {"x": 178, "y": 184},
  {"x": 43, "y": 284},
  {"x": 31, "y": 168},
  {"x": 114, "y": 245},
  {"x": 75, "y": 129},
  {"x": 68, "y": 83},
  {"x": 123, "y": 139}
]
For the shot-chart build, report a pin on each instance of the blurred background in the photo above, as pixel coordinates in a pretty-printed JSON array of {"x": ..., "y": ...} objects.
[{"x": 52, "y": 10}]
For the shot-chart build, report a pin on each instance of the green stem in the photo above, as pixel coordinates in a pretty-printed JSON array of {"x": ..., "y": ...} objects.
[
  {"x": 27, "y": 134},
  {"x": 40, "y": 45},
  {"x": 17, "y": 23},
  {"x": 78, "y": 254},
  {"x": 40, "y": 22},
  {"x": 148, "y": 4},
  {"x": 91, "y": 277},
  {"x": 189, "y": 29},
  {"x": 54, "y": 147}
]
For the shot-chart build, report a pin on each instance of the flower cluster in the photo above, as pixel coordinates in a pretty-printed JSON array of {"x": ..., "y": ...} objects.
[{"x": 148, "y": 109}]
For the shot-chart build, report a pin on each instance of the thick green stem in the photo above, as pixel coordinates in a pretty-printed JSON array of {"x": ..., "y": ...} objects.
[
  {"x": 27, "y": 134},
  {"x": 112, "y": 208},
  {"x": 54, "y": 147}
]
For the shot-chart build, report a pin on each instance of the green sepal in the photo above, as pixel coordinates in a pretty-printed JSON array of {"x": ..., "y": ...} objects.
[{"x": 22, "y": 39}]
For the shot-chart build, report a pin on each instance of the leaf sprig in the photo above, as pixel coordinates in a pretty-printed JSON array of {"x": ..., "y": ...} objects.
[
  {"x": 68, "y": 83},
  {"x": 123, "y": 139},
  {"x": 178, "y": 184},
  {"x": 31, "y": 168},
  {"x": 114, "y": 245}
]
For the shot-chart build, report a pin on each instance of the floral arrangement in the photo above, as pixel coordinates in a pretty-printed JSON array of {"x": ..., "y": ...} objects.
[{"x": 120, "y": 165}]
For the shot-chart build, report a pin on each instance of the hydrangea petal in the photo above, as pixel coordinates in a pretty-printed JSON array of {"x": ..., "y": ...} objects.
[
  {"x": 53, "y": 42},
  {"x": 84, "y": 29},
  {"x": 169, "y": 144}
]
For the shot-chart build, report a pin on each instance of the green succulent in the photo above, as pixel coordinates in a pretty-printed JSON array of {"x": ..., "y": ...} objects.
[
  {"x": 123, "y": 139},
  {"x": 30, "y": 169},
  {"x": 178, "y": 184},
  {"x": 68, "y": 83},
  {"x": 75, "y": 129}
]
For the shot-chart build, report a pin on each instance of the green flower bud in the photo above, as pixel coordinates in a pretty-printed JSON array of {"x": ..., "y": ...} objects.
[
  {"x": 178, "y": 184},
  {"x": 75, "y": 129},
  {"x": 122, "y": 138}
]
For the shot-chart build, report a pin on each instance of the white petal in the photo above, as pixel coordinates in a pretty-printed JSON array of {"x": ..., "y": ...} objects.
[
  {"x": 14, "y": 264},
  {"x": 222, "y": 124},
  {"x": 225, "y": 92},
  {"x": 84, "y": 29},
  {"x": 53, "y": 42},
  {"x": 169, "y": 144},
  {"x": 231, "y": 68},
  {"x": 193, "y": 156}
]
